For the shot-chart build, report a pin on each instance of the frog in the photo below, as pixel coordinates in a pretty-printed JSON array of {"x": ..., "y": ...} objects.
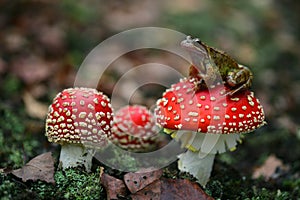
[{"x": 211, "y": 66}]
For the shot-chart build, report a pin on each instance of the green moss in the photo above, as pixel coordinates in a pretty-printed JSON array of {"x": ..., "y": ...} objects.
[
  {"x": 71, "y": 184},
  {"x": 15, "y": 143}
]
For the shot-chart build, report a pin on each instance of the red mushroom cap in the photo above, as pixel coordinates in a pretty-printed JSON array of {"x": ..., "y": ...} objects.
[
  {"x": 134, "y": 128},
  {"x": 79, "y": 115},
  {"x": 208, "y": 110}
]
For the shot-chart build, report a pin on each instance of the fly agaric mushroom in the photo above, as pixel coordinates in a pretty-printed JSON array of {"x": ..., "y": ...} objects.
[
  {"x": 134, "y": 128},
  {"x": 80, "y": 120},
  {"x": 206, "y": 122}
]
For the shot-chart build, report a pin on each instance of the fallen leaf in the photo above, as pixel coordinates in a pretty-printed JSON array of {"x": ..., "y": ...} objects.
[
  {"x": 140, "y": 179},
  {"x": 151, "y": 192},
  {"x": 270, "y": 168},
  {"x": 39, "y": 168},
  {"x": 177, "y": 189},
  {"x": 33, "y": 107},
  {"x": 113, "y": 186}
]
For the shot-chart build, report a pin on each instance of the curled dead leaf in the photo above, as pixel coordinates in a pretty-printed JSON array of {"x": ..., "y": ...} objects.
[
  {"x": 33, "y": 107},
  {"x": 39, "y": 168}
]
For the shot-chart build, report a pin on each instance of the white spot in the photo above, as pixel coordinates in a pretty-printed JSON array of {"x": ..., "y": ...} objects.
[
  {"x": 82, "y": 115},
  {"x": 90, "y": 106},
  {"x": 60, "y": 119},
  {"x": 244, "y": 107},
  {"x": 68, "y": 113},
  {"x": 251, "y": 103},
  {"x": 65, "y": 104},
  {"x": 164, "y": 101},
  {"x": 241, "y": 115},
  {"x": 95, "y": 100},
  {"x": 216, "y": 108},
  {"x": 103, "y": 104},
  {"x": 235, "y": 99},
  {"x": 180, "y": 100},
  {"x": 177, "y": 117},
  {"x": 81, "y": 102},
  {"x": 82, "y": 124},
  {"x": 187, "y": 119},
  {"x": 193, "y": 114},
  {"x": 56, "y": 114},
  {"x": 216, "y": 117},
  {"x": 233, "y": 109}
]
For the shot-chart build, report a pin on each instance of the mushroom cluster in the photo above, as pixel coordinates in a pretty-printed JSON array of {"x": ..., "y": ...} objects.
[
  {"x": 80, "y": 120},
  {"x": 206, "y": 122},
  {"x": 134, "y": 128}
]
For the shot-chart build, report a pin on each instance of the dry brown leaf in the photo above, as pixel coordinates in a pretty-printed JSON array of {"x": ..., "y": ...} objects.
[
  {"x": 140, "y": 179},
  {"x": 33, "y": 107},
  {"x": 113, "y": 186},
  {"x": 178, "y": 189},
  {"x": 39, "y": 168},
  {"x": 269, "y": 168},
  {"x": 151, "y": 192}
]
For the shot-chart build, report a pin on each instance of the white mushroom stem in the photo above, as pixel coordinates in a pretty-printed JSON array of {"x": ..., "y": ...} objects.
[
  {"x": 198, "y": 167},
  {"x": 74, "y": 155},
  {"x": 202, "y": 147}
]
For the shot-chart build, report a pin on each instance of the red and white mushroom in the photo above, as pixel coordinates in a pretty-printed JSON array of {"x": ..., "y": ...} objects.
[
  {"x": 79, "y": 119},
  {"x": 134, "y": 128},
  {"x": 206, "y": 122}
]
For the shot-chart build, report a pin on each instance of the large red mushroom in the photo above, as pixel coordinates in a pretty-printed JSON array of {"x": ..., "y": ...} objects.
[
  {"x": 134, "y": 128},
  {"x": 80, "y": 120},
  {"x": 206, "y": 122}
]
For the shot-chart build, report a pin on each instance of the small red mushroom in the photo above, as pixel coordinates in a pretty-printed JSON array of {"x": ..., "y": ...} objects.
[
  {"x": 134, "y": 128},
  {"x": 79, "y": 119},
  {"x": 206, "y": 122}
]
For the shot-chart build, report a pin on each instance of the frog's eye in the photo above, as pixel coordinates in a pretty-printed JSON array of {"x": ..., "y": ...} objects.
[{"x": 197, "y": 40}]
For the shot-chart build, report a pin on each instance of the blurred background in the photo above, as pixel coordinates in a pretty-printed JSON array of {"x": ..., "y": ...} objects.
[{"x": 44, "y": 42}]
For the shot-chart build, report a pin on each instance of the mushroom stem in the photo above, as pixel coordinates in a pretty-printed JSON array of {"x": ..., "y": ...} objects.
[
  {"x": 198, "y": 167},
  {"x": 74, "y": 155},
  {"x": 199, "y": 158}
]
